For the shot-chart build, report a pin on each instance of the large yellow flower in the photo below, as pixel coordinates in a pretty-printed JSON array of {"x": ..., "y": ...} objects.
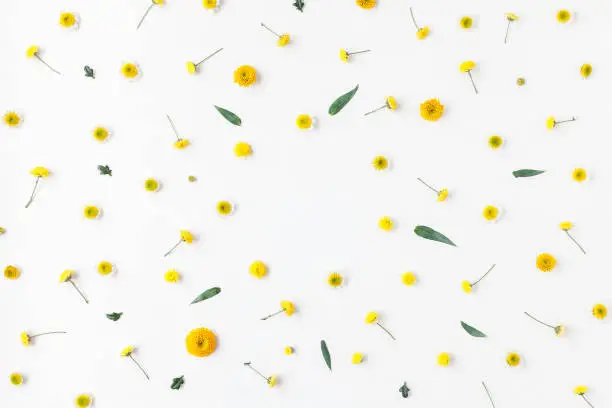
[
  {"x": 11, "y": 272},
  {"x": 600, "y": 311},
  {"x": 201, "y": 342},
  {"x": 335, "y": 280},
  {"x": 366, "y": 4},
  {"x": 546, "y": 262},
  {"x": 579, "y": 175},
  {"x": 513, "y": 359},
  {"x": 11, "y": 119},
  {"x": 432, "y": 110},
  {"x": 245, "y": 75},
  {"x": 16, "y": 379},
  {"x": 130, "y": 70},
  {"x": 258, "y": 269},
  {"x": 83, "y": 401},
  {"x": 67, "y": 19},
  {"x": 303, "y": 122},
  {"x": 563, "y": 16}
]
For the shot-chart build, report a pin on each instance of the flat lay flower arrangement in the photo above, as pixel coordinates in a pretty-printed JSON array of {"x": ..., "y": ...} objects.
[{"x": 283, "y": 208}]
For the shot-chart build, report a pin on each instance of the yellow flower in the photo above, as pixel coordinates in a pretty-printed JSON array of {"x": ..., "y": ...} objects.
[
  {"x": 201, "y": 342},
  {"x": 366, "y": 4},
  {"x": 172, "y": 276},
  {"x": 563, "y": 16},
  {"x": 344, "y": 56},
  {"x": 32, "y": 51},
  {"x": 225, "y": 207},
  {"x": 465, "y": 22},
  {"x": 16, "y": 379},
  {"x": 245, "y": 75},
  {"x": 579, "y": 175},
  {"x": 287, "y": 307},
  {"x": 495, "y": 142},
  {"x": 565, "y": 225},
  {"x": 357, "y": 358},
  {"x": 25, "y": 338},
  {"x": 272, "y": 379},
  {"x": 386, "y": 224},
  {"x": 159, "y": 2},
  {"x": 283, "y": 40},
  {"x": 303, "y": 122},
  {"x": 581, "y": 389},
  {"x": 550, "y": 123},
  {"x": 11, "y": 272},
  {"x": 186, "y": 236},
  {"x": 100, "y": 134},
  {"x": 192, "y": 179},
  {"x": 105, "y": 268},
  {"x": 209, "y": 4},
  {"x": 466, "y": 286},
  {"x": 520, "y": 81},
  {"x": 371, "y": 317},
  {"x": 467, "y": 66},
  {"x": 432, "y": 110},
  {"x": 408, "y": 278},
  {"x": 151, "y": 185},
  {"x": 335, "y": 280},
  {"x": 191, "y": 67},
  {"x": 444, "y": 359},
  {"x": 126, "y": 352},
  {"x": 83, "y": 401},
  {"x": 2, "y": 230},
  {"x": 513, "y": 359},
  {"x": 258, "y": 269},
  {"x": 546, "y": 262},
  {"x": 130, "y": 70},
  {"x": 67, "y": 20},
  {"x": 243, "y": 149},
  {"x": 66, "y": 276},
  {"x": 11, "y": 119},
  {"x": 40, "y": 172},
  {"x": 559, "y": 330},
  {"x": 443, "y": 195},
  {"x": 380, "y": 163},
  {"x": 490, "y": 213},
  {"x": 91, "y": 212},
  {"x": 422, "y": 33},
  {"x": 586, "y": 70},
  {"x": 600, "y": 311},
  {"x": 288, "y": 350},
  {"x": 181, "y": 144},
  {"x": 511, "y": 17},
  {"x": 391, "y": 103}
]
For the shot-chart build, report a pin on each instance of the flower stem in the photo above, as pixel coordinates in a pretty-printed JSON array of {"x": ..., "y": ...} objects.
[
  {"x": 428, "y": 186},
  {"x": 575, "y": 242},
  {"x": 174, "y": 247},
  {"x": 173, "y": 128},
  {"x": 488, "y": 394},
  {"x": 79, "y": 290},
  {"x": 472, "y": 79},
  {"x": 357, "y": 52},
  {"x": 413, "y": 20},
  {"x": 248, "y": 364},
  {"x": 33, "y": 192},
  {"x": 270, "y": 30},
  {"x": 482, "y": 277},
  {"x": 48, "y": 66},
  {"x": 139, "y": 366},
  {"x": 376, "y": 110},
  {"x": 388, "y": 332},
  {"x": 563, "y": 121},
  {"x": 587, "y": 401},
  {"x": 273, "y": 314},
  {"x": 145, "y": 14},
  {"x": 539, "y": 321},
  {"x": 507, "y": 30},
  {"x": 219, "y": 50},
  {"x": 44, "y": 334}
]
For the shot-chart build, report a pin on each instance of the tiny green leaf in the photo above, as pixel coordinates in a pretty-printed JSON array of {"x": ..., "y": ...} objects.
[
  {"x": 207, "y": 294},
  {"x": 342, "y": 101},
  {"x": 404, "y": 390},
  {"x": 527, "y": 173},
  {"x": 326, "y": 355},
  {"x": 429, "y": 233},
  {"x": 105, "y": 170},
  {"x": 299, "y": 4},
  {"x": 114, "y": 316},
  {"x": 472, "y": 331},
  {"x": 177, "y": 382},
  {"x": 230, "y": 116},
  {"x": 89, "y": 73}
]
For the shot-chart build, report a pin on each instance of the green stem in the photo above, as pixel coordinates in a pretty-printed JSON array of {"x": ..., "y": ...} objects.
[
  {"x": 219, "y": 50},
  {"x": 79, "y": 290},
  {"x": 488, "y": 394},
  {"x": 48, "y": 66},
  {"x": 472, "y": 79},
  {"x": 33, "y": 192},
  {"x": 248, "y": 364},
  {"x": 388, "y": 332},
  {"x": 375, "y": 110},
  {"x": 173, "y": 128},
  {"x": 273, "y": 314},
  {"x": 507, "y": 29},
  {"x": 563, "y": 121},
  {"x": 139, "y": 366},
  {"x": 587, "y": 401},
  {"x": 413, "y": 20},
  {"x": 357, "y": 52},
  {"x": 270, "y": 30},
  {"x": 482, "y": 277},
  {"x": 174, "y": 247},
  {"x": 44, "y": 334},
  {"x": 428, "y": 186},
  {"x": 575, "y": 242},
  {"x": 539, "y": 321},
  {"x": 145, "y": 14}
]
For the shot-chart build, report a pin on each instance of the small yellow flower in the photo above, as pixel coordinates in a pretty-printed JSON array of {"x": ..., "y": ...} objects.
[
  {"x": 245, "y": 75},
  {"x": 432, "y": 110},
  {"x": 25, "y": 338},
  {"x": 172, "y": 276},
  {"x": 2, "y": 230},
  {"x": 563, "y": 16},
  {"x": 67, "y": 20},
  {"x": 345, "y": 56},
  {"x": 579, "y": 175},
  {"x": 391, "y": 103},
  {"x": 466, "y": 286},
  {"x": 258, "y": 269},
  {"x": 16, "y": 379},
  {"x": 11, "y": 272},
  {"x": 513, "y": 359},
  {"x": 126, "y": 352},
  {"x": 288, "y": 350},
  {"x": 40, "y": 172},
  {"x": 225, "y": 207},
  {"x": 408, "y": 279},
  {"x": 181, "y": 144},
  {"x": 552, "y": 123},
  {"x": 272, "y": 381},
  {"x": 335, "y": 280},
  {"x": 490, "y": 213},
  {"x": 467, "y": 66},
  {"x": 130, "y": 70},
  {"x": 546, "y": 262},
  {"x": 283, "y": 40},
  {"x": 357, "y": 358},
  {"x": 580, "y": 390},
  {"x": 83, "y": 401},
  {"x": 66, "y": 276},
  {"x": 380, "y": 163},
  {"x": 495, "y": 142},
  {"x": 465, "y": 22},
  {"x": 600, "y": 311},
  {"x": 191, "y": 67},
  {"x": 186, "y": 236},
  {"x": 520, "y": 81},
  {"x": 559, "y": 330},
  {"x": 422, "y": 33},
  {"x": 366, "y": 4},
  {"x": 32, "y": 51},
  {"x": 287, "y": 307},
  {"x": 100, "y": 134},
  {"x": 511, "y": 17},
  {"x": 444, "y": 359},
  {"x": 91, "y": 212},
  {"x": 586, "y": 70},
  {"x": 105, "y": 268},
  {"x": 209, "y": 4},
  {"x": 11, "y": 119},
  {"x": 565, "y": 225},
  {"x": 443, "y": 195},
  {"x": 385, "y": 224},
  {"x": 192, "y": 179},
  {"x": 151, "y": 185},
  {"x": 243, "y": 149},
  {"x": 371, "y": 317},
  {"x": 303, "y": 122}
]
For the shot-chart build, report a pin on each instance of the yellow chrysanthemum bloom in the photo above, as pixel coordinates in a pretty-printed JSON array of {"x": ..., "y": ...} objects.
[
  {"x": 201, "y": 342},
  {"x": 303, "y": 122},
  {"x": 288, "y": 350},
  {"x": 344, "y": 55},
  {"x": 513, "y": 359},
  {"x": 511, "y": 17},
  {"x": 172, "y": 276},
  {"x": 546, "y": 262},
  {"x": 586, "y": 70},
  {"x": 600, "y": 311},
  {"x": 192, "y": 179},
  {"x": 466, "y": 286},
  {"x": 490, "y": 213},
  {"x": 422, "y": 33},
  {"x": 565, "y": 225},
  {"x": 25, "y": 338},
  {"x": 287, "y": 307},
  {"x": 245, "y": 75},
  {"x": 67, "y": 20},
  {"x": 563, "y": 16},
  {"x": 581, "y": 389},
  {"x": 465, "y": 22},
  {"x": 151, "y": 185},
  {"x": 159, "y": 2},
  {"x": 380, "y": 163},
  {"x": 209, "y": 4},
  {"x": 560, "y": 330},
  {"x": 366, "y": 4},
  {"x": 32, "y": 51},
  {"x": 186, "y": 236},
  {"x": 579, "y": 175},
  {"x": 272, "y": 381},
  {"x": 335, "y": 280},
  {"x": 243, "y": 149},
  {"x": 467, "y": 66},
  {"x": 66, "y": 276},
  {"x": 16, "y": 379},
  {"x": 83, "y": 401},
  {"x": 191, "y": 67},
  {"x": 520, "y": 81},
  {"x": 444, "y": 359},
  {"x": 91, "y": 212},
  {"x": 408, "y": 279},
  {"x": 100, "y": 133},
  {"x": 105, "y": 268},
  {"x": 551, "y": 123},
  {"x": 258, "y": 269},
  {"x": 181, "y": 144},
  {"x": 391, "y": 103},
  {"x": 11, "y": 119},
  {"x": 385, "y": 224},
  {"x": 443, "y": 195},
  {"x": 2, "y": 230},
  {"x": 432, "y": 110},
  {"x": 283, "y": 40},
  {"x": 371, "y": 317},
  {"x": 126, "y": 352},
  {"x": 495, "y": 142},
  {"x": 11, "y": 272},
  {"x": 357, "y": 358},
  {"x": 40, "y": 172},
  {"x": 225, "y": 207},
  {"x": 130, "y": 70}
]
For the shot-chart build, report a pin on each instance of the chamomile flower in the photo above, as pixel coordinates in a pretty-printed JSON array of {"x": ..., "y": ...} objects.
[
  {"x": 12, "y": 119},
  {"x": 335, "y": 280}
]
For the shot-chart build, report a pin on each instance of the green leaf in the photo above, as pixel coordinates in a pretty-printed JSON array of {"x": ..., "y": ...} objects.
[
  {"x": 207, "y": 294},
  {"x": 342, "y": 101},
  {"x": 177, "y": 382},
  {"x": 89, "y": 73},
  {"x": 472, "y": 331},
  {"x": 326, "y": 355},
  {"x": 527, "y": 173},
  {"x": 114, "y": 316},
  {"x": 428, "y": 233},
  {"x": 105, "y": 170},
  {"x": 299, "y": 4},
  {"x": 405, "y": 390},
  {"x": 230, "y": 116}
]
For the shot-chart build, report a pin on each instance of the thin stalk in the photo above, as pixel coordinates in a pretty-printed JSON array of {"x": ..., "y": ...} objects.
[
  {"x": 388, "y": 332},
  {"x": 357, "y": 52},
  {"x": 563, "y": 121},
  {"x": 488, "y": 394},
  {"x": 375, "y": 110},
  {"x": 482, "y": 277},
  {"x": 273, "y": 314},
  {"x": 145, "y": 14},
  {"x": 539, "y": 321},
  {"x": 48, "y": 66},
  {"x": 33, "y": 192},
  {"x": 428, "y": 186},
  {"x": 413, "y": 20},
  {"x": 44, "y": 334},
  {"x": 472, "y": 79},
  {"x": 587, "y": 401},
  {"x": 258, "y": 373},
  {"x": 174, "y": 247},
  {"x": 173, "y": 128},
  {"x": 575, "y": 242},
  {"x": 79, "y": 290},
  {"x": 270, "y": 30},
  {"x": 219, "y": 50},
  {"x": 507, "y": 30},
  {"x": 139, "y": 366}
]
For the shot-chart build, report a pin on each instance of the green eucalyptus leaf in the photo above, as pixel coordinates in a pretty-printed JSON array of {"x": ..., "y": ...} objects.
[
  {"x": 207, "y": 294},
  {"x": 472, "y": 331},
  {"x": 527, "y": 173},
  {"x": 429, "y": 233},
  {"x": 177, "y": 382},
  {"x": 89, "y": 72},
  {"x": 326, "y": 355},
  {"x": 114, "y": 316},
  {"x": 342, "y": 101},
  {"x": 105, "y": 170},
  {"x": 230, "y": 116}
]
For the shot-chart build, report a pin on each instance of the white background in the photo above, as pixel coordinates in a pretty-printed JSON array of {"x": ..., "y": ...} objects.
[{"x": 308, "y": 203}]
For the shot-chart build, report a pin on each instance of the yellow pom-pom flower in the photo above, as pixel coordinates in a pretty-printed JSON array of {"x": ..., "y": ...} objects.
[
  {"x": 366, "y": 4},
  {"x": 586, "y": 70},
  {"x": 600, "y": 311},
  {"x": 335, "y": 280},
  {"x": 495, "y": 142},
  {"x": 101, "y": 134},
  {"x": 201, "y": 342},
  {"x": 68, "y": 276},
  {"x": 91, "y": 212},
  {"x": 564, "y": 16},
  {"x": 289, "y": 350},
  {"x": 380, "y": 163},
  {"x": 444, "y": 359},
  {"x": 385, "y": 224},
  {"x": 443, "y": 195},
  {"x": 579, "y": 175},
  {"x": 32, "y": 51},
  {"x": 11, "y": 272},
  {"x": 151, "y": 185},
  {"x": 431, "y": 110},
  {"x": 11, "y": 119},
  {"x": 181, "y": 144},
  {"x": 357, "y": 358},
  {"x": 105, "y": 268},
  {"x": 68, "y": 20},
  {"x": 466, "y": 22},
  {"x": 130, "y": 70},
  {"x": 172, "y": 276},
  {"x": 225, "y": 208},
  {"x": 513, "y": 359},
  {"x": 510, "y": 17},
  {"x": 546, "y": 262},
  {"x": 83, "y": 401},
  {"x": 491, "y": 213},
  {"x": 408, "y": 278},
  {"x": 126, "y": 352},
  {"x": 16, "y": 379},
  {"x": 421, "y": 32},
  {"x": 243, "y": 149},
  {"x": 581, "y": 389},
  {"x": 303, "y": 122},
  {"x": 26, "y": 338},
  {"x": 566, "y": 226},
  {"x": 210, "y": 4},
  {"x": 258, "y": 269},
  {"x": 245, "y": 75}
]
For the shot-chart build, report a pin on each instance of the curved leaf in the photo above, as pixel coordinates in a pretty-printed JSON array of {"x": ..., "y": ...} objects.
[
  {"x": 177, "y": 382},
  {"x": 326, "y": 355},
  {"x": 527, "y": 173},
  {"x": 207, "y": 294},
  {"x": 472, "y": 331},
  {"x": 230, "y": 116},
  {"x": 342, "y": 101},
  {"x": 114, "y": 316},
  {"x": 429, "y": 233}
]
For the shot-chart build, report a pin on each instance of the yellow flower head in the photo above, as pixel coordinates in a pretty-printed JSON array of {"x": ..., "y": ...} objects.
[
  {"x": 192, "y": 179},
  {"x": 559, "y": 330},
  {"x": 100, "y": 133},
  {"x": 513, "y": 359},
  {"x": 159, "y": 2},
  {"x": 126, "y": 352},
  {"x": 287, "y": 307},
  {"x": 335, "y": 280},
  {"x": 105, "y": 268},
  {"x": 66, "y": 276},
  {"x": 67, "y": 20},
  {"x": 258, "y": 269},
  {"x": 551, "y": 123},
  {"x": 209, "y": 4},
  {"x": 11, "y": 119},
  {"x": 272, "y": 381},
  {"x": 201, "y": 342},
  {"x": 371, "y": 317},
  {"x": 186, "y": 236},
  {"x": 586, "y": 70},
  {"x": 40, "y": 172},
  {"x": 391, "y": 103},
  {"x": 466, "y": 286},
  {"x": 490, "y": 213},
  {"x": 366, "y": 4},
  {"x": 579, "y": 175},
  {"x": 432, "y": 110},
  {"x": 283, "y": 40},
  {"x": 303, "y": 122},
  {"x": 565, "y": 225},
  {"x": 2, "y": 230},
  {"x": 385, "y": 224},
  {"x": 245, "y": 75},
  {"x": 600, "y": 311},
  {"x": 467, "y": 66},
  {"x": 191, "y": 67},
  {"x": 91, "y": 212},
  {"x": 16, "y": 379},
  {"x": 151, "y": 185},
  {"x": 181, "y": 144},
  {"x": 444, "y": 359},
  {"x": 25, "y": 338},
  {"x": 580, "y": 390},
  {"x": 563, "y": 16},
  {"x": 520, "y": 81},
  {"x": 380, "y": 163},
  {"x": 422, "y": 33},
  {"x": 288, "y": 350},
  {"x": 511, "y": 17},
  {"x": 32, "y": 51},
  {"x": 130, "y": 70},
  {"x": 172, "y": 276},
  {"x": 225, "y": 207},
  {"x": 243, "y": 149},
  {"x": 83, "y": 401},
  {"x": 11, "y": 272},
  {"x": 357, "y": 358},
  {"x": 443, "y": 195},
  {"x": 495, "y": 142},
  {"x": 546, "y": 262},
  {"x": 408, "y": 279},
  {"x": 344, "y": 55},
  {"x": 465, "y": 22}
]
